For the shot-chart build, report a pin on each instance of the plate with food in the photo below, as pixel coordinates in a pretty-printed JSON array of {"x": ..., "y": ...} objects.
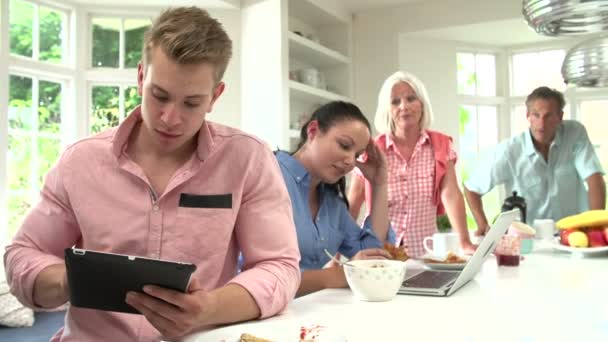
[
  {"x": 272, "y": 333},
  {"x": 584, "y": 233},
  {"x": 450, "y": 262}
]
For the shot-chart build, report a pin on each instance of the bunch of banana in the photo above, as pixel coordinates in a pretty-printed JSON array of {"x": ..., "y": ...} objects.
[
  {"x": 587, "y": 229},
  {"x": 584, "y": 220}
]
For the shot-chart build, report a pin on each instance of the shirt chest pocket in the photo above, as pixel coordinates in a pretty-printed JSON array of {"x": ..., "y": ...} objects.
[
  {"x": 533, "y": 187},
  {"x": 204, "y": 231},
  {"x": 566, "y": 180}
]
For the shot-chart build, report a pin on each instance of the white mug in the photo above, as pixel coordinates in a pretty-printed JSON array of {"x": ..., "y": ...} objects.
[
  {"x": 442, "y": 244},
  {"x": 545, "y": 229}
]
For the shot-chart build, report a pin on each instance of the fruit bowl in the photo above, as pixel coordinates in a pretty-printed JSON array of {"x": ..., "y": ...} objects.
[{"x": 583, "y": 251}]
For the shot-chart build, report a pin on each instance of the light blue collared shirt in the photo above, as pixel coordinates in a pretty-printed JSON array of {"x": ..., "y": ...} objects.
[
  {"x": 333, "y": 228},
  {"x": 552, "y": 189}
]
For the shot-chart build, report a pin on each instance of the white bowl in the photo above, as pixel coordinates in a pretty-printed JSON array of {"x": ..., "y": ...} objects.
[{"x": 375, "y": 280}]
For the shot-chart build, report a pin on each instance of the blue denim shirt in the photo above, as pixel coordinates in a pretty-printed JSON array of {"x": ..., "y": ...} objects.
[
  {"x": 553, "y": 189},
  {"x": 333, "y": 228}
]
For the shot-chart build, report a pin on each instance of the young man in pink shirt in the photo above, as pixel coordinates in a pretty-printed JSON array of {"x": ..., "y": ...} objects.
[{"x": 166, "y": 184}]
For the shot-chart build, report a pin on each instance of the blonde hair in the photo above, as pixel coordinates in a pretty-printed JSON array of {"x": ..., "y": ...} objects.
[
  {"x": 189, "y": 35},
  {"x": 383, "y": 121}
]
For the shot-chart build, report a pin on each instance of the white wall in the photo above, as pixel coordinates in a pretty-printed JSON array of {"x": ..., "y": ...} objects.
[
  {"x": 227, "y": 110},
  {"x": 381, "y": 48},
  {"x": 434, "y": 63}
]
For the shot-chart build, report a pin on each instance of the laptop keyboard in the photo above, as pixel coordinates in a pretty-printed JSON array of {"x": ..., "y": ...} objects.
[{"x": 431, "y": 279}]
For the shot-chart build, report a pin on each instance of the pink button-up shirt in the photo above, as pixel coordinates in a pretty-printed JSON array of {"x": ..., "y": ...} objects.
[{"x": 97, "y": 198}]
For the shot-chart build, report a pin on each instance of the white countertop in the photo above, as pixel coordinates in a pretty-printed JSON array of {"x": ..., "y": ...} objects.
[{"x": 551, "y": 296}]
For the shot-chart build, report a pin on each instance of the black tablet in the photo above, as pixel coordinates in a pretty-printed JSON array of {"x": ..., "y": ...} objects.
[{"x": 101, "y": 280}]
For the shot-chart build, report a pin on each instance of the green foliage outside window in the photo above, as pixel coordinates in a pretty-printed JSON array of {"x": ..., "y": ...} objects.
[
  {"x": 105, "y": 111},
  {"x": 134, "y": 37},
  {"x": 50, "y": 35},
  {"x": 106, "y": 42},
  {"x": 21, "y": 31}
]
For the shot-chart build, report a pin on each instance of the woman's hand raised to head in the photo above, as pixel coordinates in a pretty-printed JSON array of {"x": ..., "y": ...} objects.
[{"x": 373, "y": 165}]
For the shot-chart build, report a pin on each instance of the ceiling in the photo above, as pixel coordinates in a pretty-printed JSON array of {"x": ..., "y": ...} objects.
[
  {"x": 165, "y": 3},
  {"x": 495, "y": 33},
  {"x": 359, "y": 5}
]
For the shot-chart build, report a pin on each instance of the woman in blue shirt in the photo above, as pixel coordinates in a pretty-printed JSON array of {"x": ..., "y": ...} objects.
[{"x": 331, "y": 141}]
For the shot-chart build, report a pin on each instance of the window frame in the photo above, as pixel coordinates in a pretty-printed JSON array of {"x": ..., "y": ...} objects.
[
  {"x": 122, "y": 16},
  {"x": 67, "y": 35}
]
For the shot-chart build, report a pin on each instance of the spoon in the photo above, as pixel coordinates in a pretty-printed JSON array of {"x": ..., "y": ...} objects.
[{"x": 332, "y": 257}]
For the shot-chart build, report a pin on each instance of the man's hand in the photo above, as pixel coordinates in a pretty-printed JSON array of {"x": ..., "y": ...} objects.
[{"x": 175, "y": 314}]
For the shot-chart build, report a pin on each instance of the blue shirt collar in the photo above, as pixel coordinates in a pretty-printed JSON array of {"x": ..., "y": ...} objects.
[
  {"x": 293, "y": 166},
  {"x": 529, "y": 143}
]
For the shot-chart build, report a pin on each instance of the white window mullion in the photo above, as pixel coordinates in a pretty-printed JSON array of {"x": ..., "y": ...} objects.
[
  {"x": 33, "y": 134},
  {"x": 121, "y": 102},
  {"x": 4, "y": 84}
]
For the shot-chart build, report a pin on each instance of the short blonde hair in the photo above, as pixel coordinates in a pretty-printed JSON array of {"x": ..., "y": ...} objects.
[
  {"x": 189, "y": 35},
  {"x": 383, "y": 121}
]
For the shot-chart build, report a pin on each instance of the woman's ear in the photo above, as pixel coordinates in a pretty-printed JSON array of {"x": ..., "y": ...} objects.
[{"x": 312, "y": 130}]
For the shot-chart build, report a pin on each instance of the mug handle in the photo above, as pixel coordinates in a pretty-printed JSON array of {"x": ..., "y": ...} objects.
[{"x": 426, "y": 247}]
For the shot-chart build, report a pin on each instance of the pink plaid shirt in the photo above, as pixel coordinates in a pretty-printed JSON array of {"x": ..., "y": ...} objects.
[{"x": 412, "y": 212}]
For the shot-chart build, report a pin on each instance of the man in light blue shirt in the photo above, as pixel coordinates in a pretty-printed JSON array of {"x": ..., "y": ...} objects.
[{"x": 548, "y": 165}]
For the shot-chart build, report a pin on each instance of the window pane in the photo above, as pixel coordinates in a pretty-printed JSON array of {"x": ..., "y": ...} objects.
[
  {"x": 106, "y": 37},
  {"x": 51, "y": 24},
  {"x": 19, "y": 159},
  {"x": 21, "y": 23},
  {"x": 18, "y": 205},
  {"x": 132, "y": 99},
  {"x": 48, "y": 152},
  {"x": 105, "y": 108},
  {"x": 486, "y": 75},
  {"x": 593, "y": 116},
  {"x": 134, "y": 37},
  {"x": 487, "y": 119},
  {"x": 466, "y": 73},
  {"x": 49, "y": 107},
  {"x": 532, "y": 70},
  {"x": 20, "y": 103},
  {"x": 467, "y": 139}
]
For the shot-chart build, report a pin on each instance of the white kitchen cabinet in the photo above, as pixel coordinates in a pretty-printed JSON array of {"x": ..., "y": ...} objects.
[{"x": 283, "y": 40}]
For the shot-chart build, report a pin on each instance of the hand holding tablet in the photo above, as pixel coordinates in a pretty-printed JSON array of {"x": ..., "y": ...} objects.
[{"x": 101, "y": 281}]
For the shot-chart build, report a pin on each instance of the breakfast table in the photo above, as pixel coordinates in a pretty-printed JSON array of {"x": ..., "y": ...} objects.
[{"x": 551, "y": 296}]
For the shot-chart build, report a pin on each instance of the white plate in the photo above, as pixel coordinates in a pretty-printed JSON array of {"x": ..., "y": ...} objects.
[
  {"x": 442, "y": 266},
  {"x": 588, "y": 250}
]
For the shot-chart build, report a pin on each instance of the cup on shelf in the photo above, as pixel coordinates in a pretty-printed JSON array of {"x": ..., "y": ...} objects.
[
  {"x": 293, "y": 75},
  {"x": 312, "y": 77}
]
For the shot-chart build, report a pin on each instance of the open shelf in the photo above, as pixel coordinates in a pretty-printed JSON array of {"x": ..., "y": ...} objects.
[
  {"x": 306, "y": 93},
  {"x": 314, "y": 53}
]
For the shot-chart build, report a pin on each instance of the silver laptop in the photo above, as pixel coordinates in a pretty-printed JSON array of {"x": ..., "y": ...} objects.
[{"x": 444, "y": 283}]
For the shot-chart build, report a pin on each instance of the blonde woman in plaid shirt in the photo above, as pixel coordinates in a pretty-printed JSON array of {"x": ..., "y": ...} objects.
[{"x": 422, "y": 179}]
